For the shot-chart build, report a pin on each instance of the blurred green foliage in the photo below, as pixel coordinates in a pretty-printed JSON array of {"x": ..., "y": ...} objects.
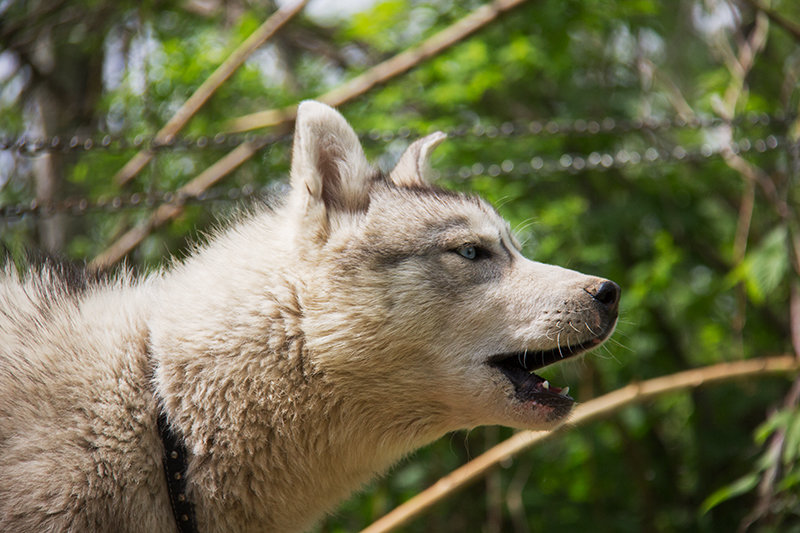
[{"x": 666, "y": 231}]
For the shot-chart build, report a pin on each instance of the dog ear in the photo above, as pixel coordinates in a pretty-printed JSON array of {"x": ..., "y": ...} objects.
[
  {"x": 413, "y": 168},
  {"x": 328, "y": 163}
]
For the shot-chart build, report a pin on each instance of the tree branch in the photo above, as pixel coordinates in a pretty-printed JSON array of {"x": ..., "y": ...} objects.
[
  {"x": 206, "y": 179},
  {"x": 209, "y": 87},
  {"x": 788, "y": 25},
  {"x": 739, "y": 65},
  {"x": 386, "y": 70},
  {"x": 588, "y": 412}
]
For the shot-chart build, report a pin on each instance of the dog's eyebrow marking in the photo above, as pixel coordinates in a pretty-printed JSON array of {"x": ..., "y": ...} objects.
[
  {"x": 454, "y": 231},
  {"x": 447, "y": 225}
]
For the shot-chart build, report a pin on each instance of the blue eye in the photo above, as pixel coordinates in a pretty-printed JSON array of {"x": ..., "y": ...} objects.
[{"x": 469, "y": 252}]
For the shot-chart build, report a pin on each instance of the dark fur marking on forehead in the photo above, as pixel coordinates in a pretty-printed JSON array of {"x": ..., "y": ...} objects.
[
  {"x": 437, "y": 192},
  {"x": 443, "y": 195},
  {"x": 438, "y": 227},
  {"x": 378, "y": 176}
]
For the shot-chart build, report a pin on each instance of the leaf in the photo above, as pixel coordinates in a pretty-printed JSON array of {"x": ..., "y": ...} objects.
[
  {"x": 737, "y": 488},
  {"x": 768, "y": 427},
  {"x": 790, "y": 480},
  {"x": 791, "y": 447},
  {"x": 766, "y": 266}
]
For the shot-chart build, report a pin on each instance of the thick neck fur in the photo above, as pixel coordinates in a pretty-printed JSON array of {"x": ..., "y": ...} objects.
[{"x": 229, "y": 342}]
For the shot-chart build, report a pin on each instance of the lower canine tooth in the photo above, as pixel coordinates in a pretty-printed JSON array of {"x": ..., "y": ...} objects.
[
  {"x": 564, "y": 391},
  {"x": 546, "y": 385}
]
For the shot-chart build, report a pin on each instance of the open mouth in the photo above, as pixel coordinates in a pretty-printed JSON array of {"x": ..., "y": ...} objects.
[{"x": 519, "y": 368}]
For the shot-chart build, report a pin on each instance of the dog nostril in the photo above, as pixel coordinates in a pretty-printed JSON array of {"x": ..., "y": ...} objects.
[{"x": 607, "y": 294}]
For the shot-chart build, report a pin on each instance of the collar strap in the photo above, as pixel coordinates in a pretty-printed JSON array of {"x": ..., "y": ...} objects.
[{"x": 175, "y": 466}]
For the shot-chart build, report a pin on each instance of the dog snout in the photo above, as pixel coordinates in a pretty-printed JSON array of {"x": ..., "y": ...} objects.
[{"x": 606, "y": 293}]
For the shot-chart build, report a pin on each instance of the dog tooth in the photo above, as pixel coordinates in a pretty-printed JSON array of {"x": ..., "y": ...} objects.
[
  {"x": 564, "y": 391},
  {"x": 546, "y": 385}
]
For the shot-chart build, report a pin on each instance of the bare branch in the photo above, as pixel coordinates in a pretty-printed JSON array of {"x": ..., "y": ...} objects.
[
  {"x": 209, "y": 87},
  {"x": 740, "y": 65},
  {"x": 588, "y": 412},
  {"x": 791, "y": 27},
  {"x": 754, "y": 174},
  {"x": 794, "y": 316},
  {"x": 206, "y": 179},
  {"x": 674, "y": 95},
  {"x": 386, "y": 70}
]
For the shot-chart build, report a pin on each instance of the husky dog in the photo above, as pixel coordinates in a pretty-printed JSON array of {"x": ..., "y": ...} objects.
[{"x": 295, "y": 356}]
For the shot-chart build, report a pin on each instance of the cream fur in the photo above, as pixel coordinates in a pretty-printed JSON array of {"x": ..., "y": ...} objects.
[{"x": 299, "y": 353}]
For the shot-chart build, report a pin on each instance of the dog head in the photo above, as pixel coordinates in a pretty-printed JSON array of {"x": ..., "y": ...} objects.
[{"x": 420, "y": 298}]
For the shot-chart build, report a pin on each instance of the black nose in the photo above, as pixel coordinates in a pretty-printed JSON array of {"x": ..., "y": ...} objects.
[{"x": 607, "y": 293}]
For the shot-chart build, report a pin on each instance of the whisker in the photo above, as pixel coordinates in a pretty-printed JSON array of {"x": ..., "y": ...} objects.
[
  {"x": 558, "y": 342},
  {"x": 522, "y": 358},
  {"x": 525, "y": 224},
  {"x": 616, "y": 342},
  {"x": 502, "y": 201}
]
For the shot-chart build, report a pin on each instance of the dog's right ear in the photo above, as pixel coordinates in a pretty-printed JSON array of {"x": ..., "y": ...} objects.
[
  {"x": 329, "y": 170},
  {"x": 413, "y": 167}
]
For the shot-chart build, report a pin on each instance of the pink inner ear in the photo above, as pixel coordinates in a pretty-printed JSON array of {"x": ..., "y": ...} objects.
[
  {"x": 329, "y": 159},
  {"x": 328, "y": 169},
  {"x": 340, "y": 168}
]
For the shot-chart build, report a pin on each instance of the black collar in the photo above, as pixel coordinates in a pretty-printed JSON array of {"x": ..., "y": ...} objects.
[{"x": 175, "y": 465}]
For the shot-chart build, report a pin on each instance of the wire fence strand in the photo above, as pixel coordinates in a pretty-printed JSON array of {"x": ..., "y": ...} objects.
[
  {"x": 584, "y": 127},
  {"x": 202, "y": 190}
]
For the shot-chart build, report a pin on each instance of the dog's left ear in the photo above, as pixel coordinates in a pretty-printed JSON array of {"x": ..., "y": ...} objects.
[
  {"x": 413, "y": 168},
  {"x": 329, "y": 169}
]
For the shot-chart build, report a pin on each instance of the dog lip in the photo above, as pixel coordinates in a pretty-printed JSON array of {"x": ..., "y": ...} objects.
[
  {"x": 531, "y": 360},
  {"x": 534, "y": 360}
]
